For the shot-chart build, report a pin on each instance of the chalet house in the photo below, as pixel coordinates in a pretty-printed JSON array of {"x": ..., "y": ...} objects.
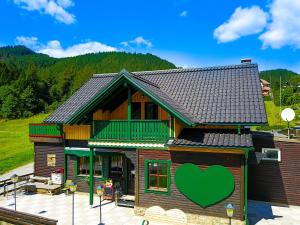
[{"x": 178, "y": 139}]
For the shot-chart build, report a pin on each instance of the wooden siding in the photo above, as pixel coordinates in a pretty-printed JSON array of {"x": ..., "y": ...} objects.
[
  {"x": 82, "y": 184},
  {"x": 176, "y": 199},
  {"x": 40, "y": 158},
  {"x": 120, "y": 113},
  {"x": 77, "y": 132},
  {"x": 276, "y": 181},
  {"x": 178, "y": 127}
]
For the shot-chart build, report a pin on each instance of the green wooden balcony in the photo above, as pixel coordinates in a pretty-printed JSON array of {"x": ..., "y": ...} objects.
[
  {"x": 45, "y": 130},
  {"x": 133, "y": 130}
]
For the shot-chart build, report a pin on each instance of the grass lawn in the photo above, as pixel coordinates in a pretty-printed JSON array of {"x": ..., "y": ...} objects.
[
  {"x": 274, "y": 118},
  {"x": 15, "y": 148}
]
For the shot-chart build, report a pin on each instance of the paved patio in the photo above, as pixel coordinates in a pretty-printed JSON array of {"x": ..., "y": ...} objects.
[
  {"x": 60, "y": 207},
  {"x": 261, "y": 213}
]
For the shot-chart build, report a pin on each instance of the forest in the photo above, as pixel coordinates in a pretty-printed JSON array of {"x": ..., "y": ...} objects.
[{"x": 32, "y": 83}]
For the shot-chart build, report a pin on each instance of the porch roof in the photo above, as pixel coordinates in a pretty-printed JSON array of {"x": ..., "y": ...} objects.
[{"x": 213, "y": 138}]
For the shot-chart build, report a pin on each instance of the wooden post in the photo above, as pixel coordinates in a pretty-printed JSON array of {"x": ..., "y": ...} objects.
[{"x": 129, "y": 113}]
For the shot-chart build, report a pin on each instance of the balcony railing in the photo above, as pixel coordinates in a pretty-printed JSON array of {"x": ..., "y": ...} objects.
[
  {"x": 133, "y": 130},
  {"x": 45, "y": 130}
]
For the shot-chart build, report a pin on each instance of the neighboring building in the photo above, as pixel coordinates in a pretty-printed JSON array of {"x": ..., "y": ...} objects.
[
  {"x": 274, "y": 169},
  {"x": 152, "y": 131},
  {"x": 265, "y": 87}
]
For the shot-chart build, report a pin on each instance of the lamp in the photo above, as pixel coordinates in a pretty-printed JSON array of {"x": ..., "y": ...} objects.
[
  {"x": 100, "y": 190},
  {"x": 14, "y": 178},
  {"x": 229, "y": 210},
  {"x": 73, "y": 187}
]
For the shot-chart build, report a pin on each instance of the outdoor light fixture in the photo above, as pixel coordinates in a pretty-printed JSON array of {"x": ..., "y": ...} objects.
[
  {"x": 14, "y": 178},
  {"x": 73, "y": 187},
  {"x": 100, "y": 190},
  {"x": 229, "y": 210}
]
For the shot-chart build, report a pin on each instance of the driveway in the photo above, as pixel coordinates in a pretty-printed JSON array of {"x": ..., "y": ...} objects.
[{"x": 262, "y": 213}]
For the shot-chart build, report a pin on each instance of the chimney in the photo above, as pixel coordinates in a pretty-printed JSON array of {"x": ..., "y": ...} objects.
[{"x": 246, "y": 61}]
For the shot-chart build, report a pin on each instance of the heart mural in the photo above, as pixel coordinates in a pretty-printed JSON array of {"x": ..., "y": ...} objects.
[{"x": 204, "y": 187}]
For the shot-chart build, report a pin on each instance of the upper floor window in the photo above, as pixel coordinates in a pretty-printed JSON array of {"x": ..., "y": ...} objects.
[
  {"x": 151, "y": 111},
  {"x": 136, "y": 111}
]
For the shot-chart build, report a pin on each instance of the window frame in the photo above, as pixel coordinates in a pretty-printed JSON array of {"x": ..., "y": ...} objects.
[
  {"x": 51, "y": 160},
  {"x": 77, "y": 163},
  {"x": 146, "y": 176},
  {"x": 265, "y": 150}
]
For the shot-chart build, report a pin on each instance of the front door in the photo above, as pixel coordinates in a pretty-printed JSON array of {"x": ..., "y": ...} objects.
[{"x": 130, "y": 177}]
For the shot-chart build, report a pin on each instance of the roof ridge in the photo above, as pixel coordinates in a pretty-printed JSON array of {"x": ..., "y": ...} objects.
[{"x": 180, "y": 70}]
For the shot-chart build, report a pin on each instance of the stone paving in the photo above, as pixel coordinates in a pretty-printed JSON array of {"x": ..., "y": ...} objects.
[{"x": 60, "y": 207}]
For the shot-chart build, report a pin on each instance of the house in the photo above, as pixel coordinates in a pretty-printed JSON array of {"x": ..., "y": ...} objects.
[
  {"x": 171, "y": 138},
  {"x": 265, "y": 87}
]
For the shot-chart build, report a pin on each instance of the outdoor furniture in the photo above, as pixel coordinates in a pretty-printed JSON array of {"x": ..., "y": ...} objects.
[
  {"x": 66, "y": 189},
  {"x": 41, "y": 188},
  {"x": 40, "y": 179}
]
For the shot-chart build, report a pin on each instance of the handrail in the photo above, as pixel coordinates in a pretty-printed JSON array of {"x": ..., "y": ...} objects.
[
  {"x": 45, "y": 130},
  {"x": 128, "y": 130},
  {"x": 7, "y": 182}
]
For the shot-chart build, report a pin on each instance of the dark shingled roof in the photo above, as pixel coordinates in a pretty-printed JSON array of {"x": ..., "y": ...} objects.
[
  {"x": 212, "y": 95},
  {"x": 213, "y": 138}
]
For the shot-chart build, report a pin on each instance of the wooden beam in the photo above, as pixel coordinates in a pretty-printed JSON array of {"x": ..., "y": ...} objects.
[{"x": 210, "y": 150}]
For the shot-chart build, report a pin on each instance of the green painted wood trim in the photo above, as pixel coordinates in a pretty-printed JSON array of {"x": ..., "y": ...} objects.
[
  {"x": 124, "y": 76},
  {"x": 146, "y": 176},
  {"x": 54, "y": 130},
  {"x": 239, "y": 129},
  {"x": 172, "y": 127},
  {"x": 91, "y": 177},
  {"x": 78, "y": 153},
  {"x": 139, "y": 147},
  {"x": 139, "y": 130}
]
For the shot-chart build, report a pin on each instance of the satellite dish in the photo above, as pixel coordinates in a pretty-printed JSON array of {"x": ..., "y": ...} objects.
[{"x": 288, "y": 114}]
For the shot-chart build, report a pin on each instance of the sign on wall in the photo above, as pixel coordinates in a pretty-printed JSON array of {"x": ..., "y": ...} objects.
[{"x": 204, "y": 187}]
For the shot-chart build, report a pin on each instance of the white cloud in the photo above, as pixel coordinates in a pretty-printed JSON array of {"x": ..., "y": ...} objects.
[
  {"x": 284, "y": 30},
  {"x": 183, "y": 13},
  {"x": 30, "y": 42},
  {"x": 50, "y": 7},
  {"x": 244, "y": 21},
  {"x": 139, "y": 41},
  {"x": 53, "y": 48}
]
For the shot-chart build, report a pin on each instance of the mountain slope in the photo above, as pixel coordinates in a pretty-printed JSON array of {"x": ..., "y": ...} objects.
[{"x": 32, "y": 83}]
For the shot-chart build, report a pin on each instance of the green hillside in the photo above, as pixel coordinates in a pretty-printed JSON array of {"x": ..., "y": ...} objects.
[
  {"x": 32, "y": 83},
  {"x": 16, "y": 149}
]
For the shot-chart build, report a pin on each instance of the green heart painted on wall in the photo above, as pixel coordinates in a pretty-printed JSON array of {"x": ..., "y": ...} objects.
[{"x": 204, "y": 187}]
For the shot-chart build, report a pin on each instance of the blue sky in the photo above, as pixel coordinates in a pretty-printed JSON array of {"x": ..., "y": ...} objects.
[{"x": 185, "y": 32}]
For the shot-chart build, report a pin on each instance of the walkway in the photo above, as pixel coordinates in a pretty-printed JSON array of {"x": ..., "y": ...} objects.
[{"x": 19, "y": 171}]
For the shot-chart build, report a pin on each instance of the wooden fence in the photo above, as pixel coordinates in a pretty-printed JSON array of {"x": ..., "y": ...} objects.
[
  {"x": 20, "y": 218},
  {"x": 6, "y": 183}
]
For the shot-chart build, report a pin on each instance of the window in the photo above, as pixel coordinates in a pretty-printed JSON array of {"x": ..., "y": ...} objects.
[
  {"x": 157, "y": 176},
  {"x": 151, "y": 111},
  {"x": 51, "y": 159},
  {"x": 271, "y": 154},
  {"x": 84, "y": 166},
  {"x": 136, "y": 111}
]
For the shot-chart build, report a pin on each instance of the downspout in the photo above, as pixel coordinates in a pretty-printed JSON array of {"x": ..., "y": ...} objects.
[
  {"x": 246, "y": 186},
  {"x": 91, "y": 177}
]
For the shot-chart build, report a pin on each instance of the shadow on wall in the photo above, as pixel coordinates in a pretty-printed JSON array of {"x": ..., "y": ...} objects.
[
  {"x": 258, "y": 211},
  {"x": 266, "y": 181}
]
